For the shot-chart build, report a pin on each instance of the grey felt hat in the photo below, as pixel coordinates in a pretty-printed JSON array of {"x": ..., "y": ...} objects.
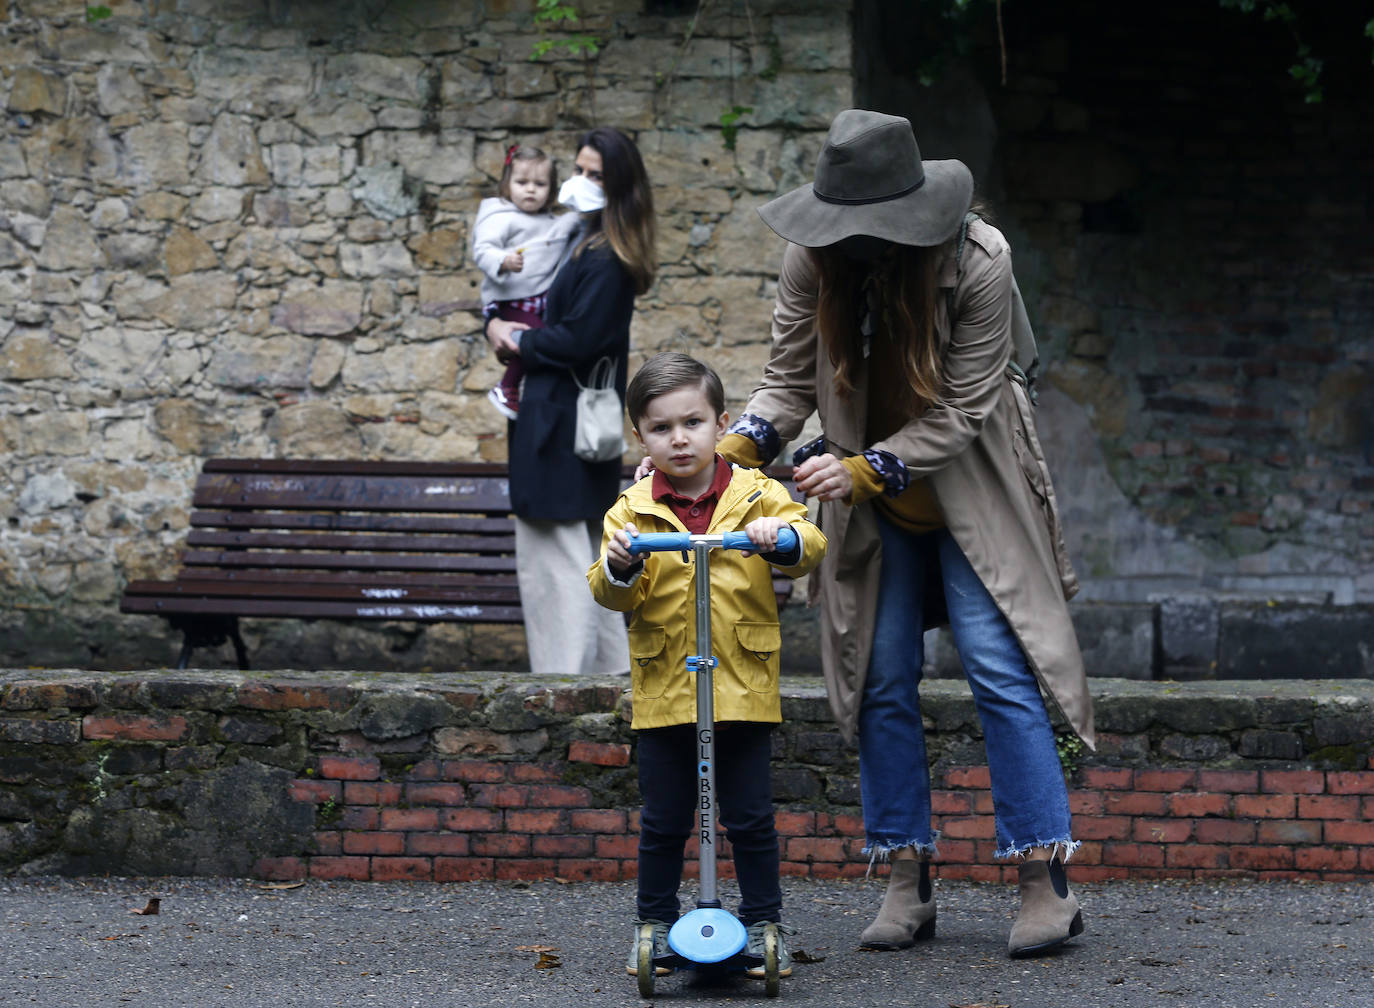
[{"x": 870, "y": 180}]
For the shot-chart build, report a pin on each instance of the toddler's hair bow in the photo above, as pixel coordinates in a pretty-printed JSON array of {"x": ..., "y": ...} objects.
[{"x": 510, "y": 153}]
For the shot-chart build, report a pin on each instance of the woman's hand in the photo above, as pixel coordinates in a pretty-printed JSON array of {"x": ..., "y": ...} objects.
[
  {"x": 646, "y": 466},
  {"x": 824, "y": 477},
  {"x": 500, "y": 334}
]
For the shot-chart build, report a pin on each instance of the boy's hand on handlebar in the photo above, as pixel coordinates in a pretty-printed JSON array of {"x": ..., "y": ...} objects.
[
  {"x": 763, "y": 533},
  {"x": 618, "y": 556},
  {"x": 824, "y": 477}
]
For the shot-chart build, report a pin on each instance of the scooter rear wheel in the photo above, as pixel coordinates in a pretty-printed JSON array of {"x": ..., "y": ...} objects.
[
  {"x": 770, "y": 962},
  {"x": 645, "y": 961}
]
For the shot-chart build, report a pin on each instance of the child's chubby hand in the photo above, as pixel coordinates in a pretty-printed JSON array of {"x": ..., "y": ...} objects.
[
  {"x": 514, "y": 262},
  {"x": 763, "y": 533},
  {"x": 618, "y": 556}
]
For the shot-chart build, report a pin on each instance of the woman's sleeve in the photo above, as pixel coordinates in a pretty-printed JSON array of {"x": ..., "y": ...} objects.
[
  {"x": 787, "y": 394},
  {"x": 594, "y": 318},
  {"x": 975, "y": 364}
]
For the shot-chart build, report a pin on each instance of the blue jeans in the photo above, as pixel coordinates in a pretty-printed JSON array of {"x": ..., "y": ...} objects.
[{"x": 1029, "y": 797}]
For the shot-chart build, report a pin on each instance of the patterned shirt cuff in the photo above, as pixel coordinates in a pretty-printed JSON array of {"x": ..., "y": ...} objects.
[
  {"x": 761, "y": 432},
  {"x": 892, "y": 470}
]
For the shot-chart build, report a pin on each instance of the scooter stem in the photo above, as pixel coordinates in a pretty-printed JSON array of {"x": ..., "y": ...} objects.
[{"x": 704, "y": 663}]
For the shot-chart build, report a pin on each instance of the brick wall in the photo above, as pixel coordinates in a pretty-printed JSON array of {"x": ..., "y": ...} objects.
[
  {"x": 453, "y": 821},
  {"x": 449, "y": 778}
]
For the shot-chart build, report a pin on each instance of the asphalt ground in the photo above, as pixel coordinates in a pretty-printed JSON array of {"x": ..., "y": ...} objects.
[{"x": 239, "y": 943}]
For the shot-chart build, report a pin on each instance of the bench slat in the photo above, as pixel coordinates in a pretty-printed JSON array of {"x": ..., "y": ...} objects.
[
  {"x": 294, "y": 591},
  {"x": 382, "y": 609},
  {"x": 477, "y": 579},
  {"x": 316, "y": 491},
  {"x": 354, "y": 467},
  {"x": 373, "y": 521},
  {"x": 351, "y": 561},
  {"x": 351, "y": 543}
]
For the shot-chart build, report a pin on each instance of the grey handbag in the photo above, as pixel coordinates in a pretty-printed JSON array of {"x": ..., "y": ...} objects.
[{"x": 600, "y": 434}]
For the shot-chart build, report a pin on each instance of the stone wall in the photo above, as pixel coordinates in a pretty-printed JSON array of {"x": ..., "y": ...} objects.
[
  {"x": 242, "y": 230},
  {"x": 452, "y": 777}
]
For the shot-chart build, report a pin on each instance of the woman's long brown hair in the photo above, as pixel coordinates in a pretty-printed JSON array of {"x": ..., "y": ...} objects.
[
  {"x": 627, "y": 222},
  {"x": 907, "y": 295}
]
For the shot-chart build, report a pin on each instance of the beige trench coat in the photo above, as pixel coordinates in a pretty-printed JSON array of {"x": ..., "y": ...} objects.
[{"x": 980, "y": 452}]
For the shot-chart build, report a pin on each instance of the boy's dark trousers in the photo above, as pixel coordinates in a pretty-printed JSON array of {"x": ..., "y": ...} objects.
[{"x": 744, "y": 806}]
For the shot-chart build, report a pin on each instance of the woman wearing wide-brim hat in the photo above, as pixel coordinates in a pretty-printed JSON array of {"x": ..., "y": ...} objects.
[{"x": 893, "y": 323}]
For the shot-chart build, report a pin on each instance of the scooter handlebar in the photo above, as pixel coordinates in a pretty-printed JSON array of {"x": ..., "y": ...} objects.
[{"x": 677, "y": 542}]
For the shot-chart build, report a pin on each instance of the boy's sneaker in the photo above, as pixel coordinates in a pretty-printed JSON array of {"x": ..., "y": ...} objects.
[
  {"x": 660, "y": 939},
  {"x": 754, "y": 949},
  {"x": 506, "y": 400}
]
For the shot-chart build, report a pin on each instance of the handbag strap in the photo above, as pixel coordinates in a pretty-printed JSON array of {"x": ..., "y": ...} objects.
[{"x": 601, "y": 376}]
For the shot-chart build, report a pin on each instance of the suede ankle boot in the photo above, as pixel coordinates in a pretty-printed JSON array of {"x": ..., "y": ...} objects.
[
  {"x": 908, "y": 910},
  {"x": 1049, "y": 911}
]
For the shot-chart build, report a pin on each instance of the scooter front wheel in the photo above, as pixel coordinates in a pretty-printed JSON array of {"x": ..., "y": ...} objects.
[
  {"x": 645, "y": 961},
  {"x": 770, "y": 962}
]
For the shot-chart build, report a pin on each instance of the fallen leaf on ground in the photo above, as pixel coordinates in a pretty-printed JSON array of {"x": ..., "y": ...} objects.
[
  {"x": 979, "y": 1004},
  {"x": 803, "y": 956},
  {"x": 276, "y": 886},
  {"x": 547, "y": 960},
  {"x": 151, "y": 909}
]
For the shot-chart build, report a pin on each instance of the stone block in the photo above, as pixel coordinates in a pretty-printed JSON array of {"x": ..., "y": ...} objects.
[
  {"x": 1293, "y": 641},
  {"x": 1117, "y": 639},
  {"x": 1267, "y": 744},
  {"x": 1188, "y": 630},
  {"x": 34, "y": 731},
  {"x": 400, "y": 715},
  {"x": 32, "y": 90}
]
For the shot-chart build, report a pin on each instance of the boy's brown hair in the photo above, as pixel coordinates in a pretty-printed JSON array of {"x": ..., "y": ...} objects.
[{"x": 668, "y": 372}]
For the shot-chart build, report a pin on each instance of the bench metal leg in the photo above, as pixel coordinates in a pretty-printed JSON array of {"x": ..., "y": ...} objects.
[
  {"x": 206, "y": 630},
  {"x": 240, "y": 651}
]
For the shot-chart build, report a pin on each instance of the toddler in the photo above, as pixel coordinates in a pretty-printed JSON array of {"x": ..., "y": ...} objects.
[{"x": 518, "y": 244}]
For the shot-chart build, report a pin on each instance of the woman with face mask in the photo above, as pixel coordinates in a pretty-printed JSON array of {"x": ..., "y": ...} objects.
[
  {"x": 558, "y": 498},
  {"x": 893, "y": 323}
]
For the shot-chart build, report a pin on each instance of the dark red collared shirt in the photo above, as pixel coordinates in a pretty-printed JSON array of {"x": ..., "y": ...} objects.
[{"x": 695, "y": 515}]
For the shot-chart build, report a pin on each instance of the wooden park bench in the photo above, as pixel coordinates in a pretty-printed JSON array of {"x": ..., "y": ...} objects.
[{"x": 283, "y": 539}]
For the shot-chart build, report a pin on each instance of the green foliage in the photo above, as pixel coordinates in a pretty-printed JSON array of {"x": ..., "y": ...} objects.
[
  {"x": 94, "y": 14},
  {"x": 1070, "y": 748},
  {"x": 1306, "y": 68},
  {"x": 328, "y": 813},
  {"x": 550, "y": 13},
  {"x": 729, "y": 131}
]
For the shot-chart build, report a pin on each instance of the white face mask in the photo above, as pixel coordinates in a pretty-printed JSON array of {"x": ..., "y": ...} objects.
[{"x": 582, "y": 194}]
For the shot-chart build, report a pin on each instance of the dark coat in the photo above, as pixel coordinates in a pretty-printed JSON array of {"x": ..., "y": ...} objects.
[{"x": 588, "y": 317}]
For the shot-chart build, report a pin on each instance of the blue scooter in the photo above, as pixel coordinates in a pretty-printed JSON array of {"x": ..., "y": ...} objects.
[{"x": 709, "y": 937}]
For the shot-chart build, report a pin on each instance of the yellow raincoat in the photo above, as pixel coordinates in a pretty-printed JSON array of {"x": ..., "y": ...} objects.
[{"x": 744, "y": 611}]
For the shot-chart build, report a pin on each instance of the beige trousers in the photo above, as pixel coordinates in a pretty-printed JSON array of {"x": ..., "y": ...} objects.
[{"x": 566, "y": 632}]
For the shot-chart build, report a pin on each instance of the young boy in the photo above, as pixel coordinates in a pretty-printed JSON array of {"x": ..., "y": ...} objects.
[{"x": 677, "y": 407}]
